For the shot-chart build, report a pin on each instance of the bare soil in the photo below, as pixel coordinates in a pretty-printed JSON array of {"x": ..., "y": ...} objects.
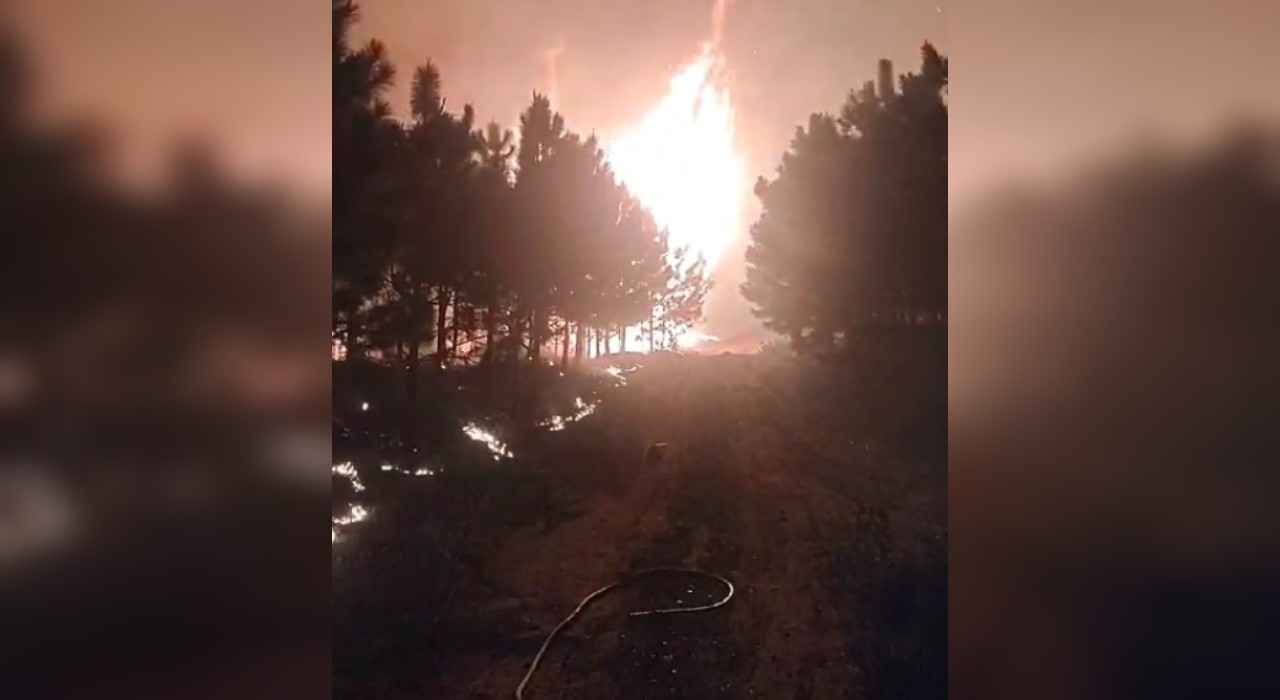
[{"x": 773, "y": 477}]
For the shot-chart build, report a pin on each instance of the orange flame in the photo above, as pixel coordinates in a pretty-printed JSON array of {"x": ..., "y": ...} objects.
[{"x": 681, "y": 162}]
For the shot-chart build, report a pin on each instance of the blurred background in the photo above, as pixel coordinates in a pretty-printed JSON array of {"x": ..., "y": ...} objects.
[
  {"x": 1115, "y": 205},
  {"x": 164, "y": 369}
]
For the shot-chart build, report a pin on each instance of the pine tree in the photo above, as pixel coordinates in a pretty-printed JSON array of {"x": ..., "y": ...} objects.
[
  {"x": 852, "y": 237},
  {"x": 363, "y": 139}
]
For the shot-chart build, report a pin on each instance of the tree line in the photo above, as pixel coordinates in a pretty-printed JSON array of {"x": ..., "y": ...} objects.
[
  {"x": 457, "y": 243},
  {"x": 851, "y": 244}
]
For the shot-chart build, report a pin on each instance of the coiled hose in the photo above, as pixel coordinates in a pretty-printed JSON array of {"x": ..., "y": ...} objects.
[{"x": 639, "y": 613}]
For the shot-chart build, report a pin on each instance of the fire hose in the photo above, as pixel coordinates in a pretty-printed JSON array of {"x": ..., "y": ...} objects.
[{"x": 639, "y": 613}]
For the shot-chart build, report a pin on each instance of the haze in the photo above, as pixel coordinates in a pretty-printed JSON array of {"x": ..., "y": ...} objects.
[{"x": 613, "y": 61}]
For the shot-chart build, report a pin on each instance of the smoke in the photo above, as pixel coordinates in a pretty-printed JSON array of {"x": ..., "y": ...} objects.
[
  {"x": 551, "y": 79},
  {"x": 717, "y": 20}
]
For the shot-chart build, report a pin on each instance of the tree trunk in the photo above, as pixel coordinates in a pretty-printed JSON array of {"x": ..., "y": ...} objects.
[
  {"x": 650, "y": 332},
  {"x": 623, "y": 340},
  {"x": 442, "y": 306},
  {"x": 564, "y": 350},
  {"x": 535, "y": 336},
  {"x": 352, "y": 337},
  {"x": 409, "y": 428},
  {"x": 490, "y": 331},
  {"x": 453, "y": 349},
  {"x": 537, "y": 320},
  {"x": 518, "y": 332},
  {"x": 580, "y": 344},
  {"x": 597, "y": 334}
]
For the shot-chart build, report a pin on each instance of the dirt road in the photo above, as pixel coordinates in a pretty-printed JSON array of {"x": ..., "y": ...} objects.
[{"x": 836, "y": 548}]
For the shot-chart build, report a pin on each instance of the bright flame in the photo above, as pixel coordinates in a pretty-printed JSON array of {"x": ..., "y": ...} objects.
[
  {"x": 692, "y": 338},
  {"x": 680, "y": 161},
  {"x": 581, "y": 409},
  {"x": 617, "y": 373},
  {"x": 491, "y": 441},
  {"x": 348, "y": 470},
  {"x": 354, "y": 515}
]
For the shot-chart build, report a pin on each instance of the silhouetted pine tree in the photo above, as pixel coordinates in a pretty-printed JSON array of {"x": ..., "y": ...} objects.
[
  {"x": 364, "y": 139},
  {"x": 451, "y": 234},
  {"x": 853, "y": 233}
]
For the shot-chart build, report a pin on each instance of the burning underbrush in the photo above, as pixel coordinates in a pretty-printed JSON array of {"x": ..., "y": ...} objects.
[
  {"x": 409, "y": 532},
  {"x": 468, "y": 421}
]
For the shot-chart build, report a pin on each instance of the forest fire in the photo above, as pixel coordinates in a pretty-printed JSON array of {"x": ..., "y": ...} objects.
[
  {"x": 534, "y": 314},
  {"x": 528, "y": 314},
  {"x": 680, "y": 160}
]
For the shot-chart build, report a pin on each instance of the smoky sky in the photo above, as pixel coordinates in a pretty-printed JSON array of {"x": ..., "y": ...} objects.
[
  {"x": 786, "y": 59},
  {"x": 614, "y": 58}
]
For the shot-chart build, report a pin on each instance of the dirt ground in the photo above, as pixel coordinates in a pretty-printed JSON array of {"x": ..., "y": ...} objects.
[{"x": 834, "y": 538}]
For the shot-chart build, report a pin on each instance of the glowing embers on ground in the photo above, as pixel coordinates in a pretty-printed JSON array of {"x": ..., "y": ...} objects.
[
  {"x": 348, "y": 470},
  {"x": 616, "y": 373},
  {"x": 420, "y": 471},
  {"x": 357, "y": 513},
  {"x": 581, "y": 409},
  {"x": 619, "y": 374},
  {"x": 491, "y": 441},
  {"x": 679, "y": 160}
]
